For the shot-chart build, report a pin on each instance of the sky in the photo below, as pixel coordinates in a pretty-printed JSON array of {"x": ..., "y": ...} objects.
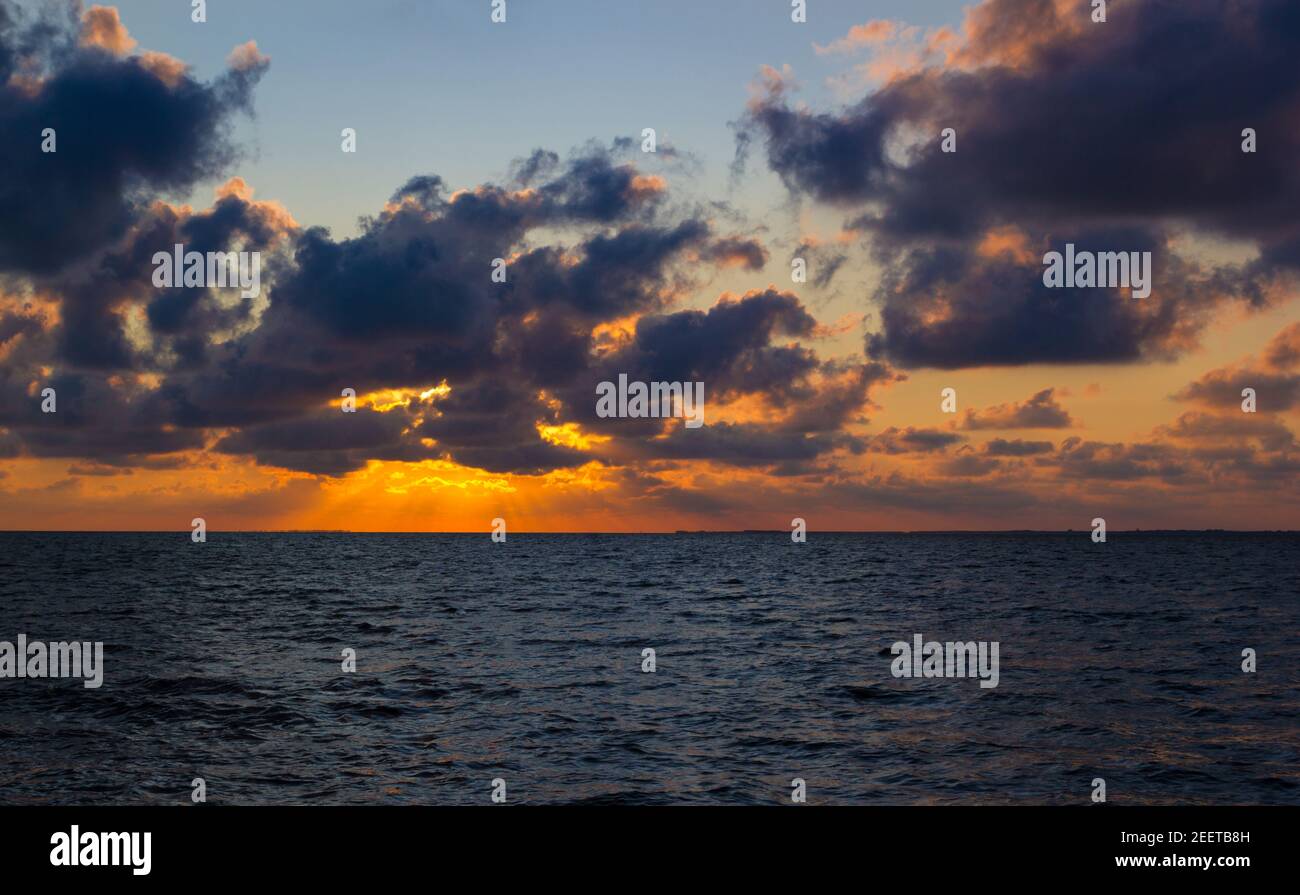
[{"x": 776, "y": 140}]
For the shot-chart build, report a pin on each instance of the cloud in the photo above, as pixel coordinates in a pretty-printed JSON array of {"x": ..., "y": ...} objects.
[
  {"x": 606, "y": 271},
  {"x": 1223, "y": 389},
  {"x": 327, "y": 442},
  {"x": 1034, "y": 139},
  {"x": 1283, "y": 352},
  {"x": 728, "y": 347},
  {"x": 246, "y": 57},
  {"x": 808, "y": 401},
  {"x": 101, "y": 27},
  {"x": 741, "y": 444},
  {"x": 824, "y": 261},
  {"x": 1275, "y": 379},
  {"x": 99, "y": 470},
  {"x": 1196, "y": 426},
  {"x": 1067, "y": 132},
  {"x": 737, "y": 251},
  {"x": 1040, "y": 411},
  {"x": 492, "y": 375},
  {"x": 107, "y": 420},
  {"x": 912, "y": 440},
  {"x": 969, "y": 466},
  {"x": 1117, "y": 462},
  {"x": 951, "y": 306},
  {"x": 125, "y": 127},
  {"x": 1001, "y": 447},
  {"x": 872, "y": 33}
]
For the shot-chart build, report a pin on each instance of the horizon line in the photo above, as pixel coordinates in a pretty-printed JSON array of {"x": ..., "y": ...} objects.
[{"x": 719, "y": 531}]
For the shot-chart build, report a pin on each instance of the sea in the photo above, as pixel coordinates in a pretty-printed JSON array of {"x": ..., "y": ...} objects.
[{"x": 524, "y": 669}]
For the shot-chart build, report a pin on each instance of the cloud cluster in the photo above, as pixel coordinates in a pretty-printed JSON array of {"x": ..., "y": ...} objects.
[
  {"x": 125, "y": 128},
  {"x": 451, "y": 363},
  {"x": 604, "y": 269},
  {"x": 1121, "y": 136}
]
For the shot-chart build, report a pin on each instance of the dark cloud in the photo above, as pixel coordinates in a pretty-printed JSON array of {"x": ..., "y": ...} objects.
[
  {"x": 1223, "y": 389},
  {"x": 1275, "y": 379},
  {"x": 593, "y": 188},
  {"x": 741, "y": 444},
  {"x": 841, "y": 395},
  {"x": 913, "y": 441},
  {"x": 1283, "y": 351},
  {"x": 730, "y": 349},
  {"x": 95, "y": 418},
  {"x": 953, "y": 305},
  {"x": 92, "y": 333},
  {"x": 734, "y": 250},
  {"x": 123, "y": 130},
  {"x": 492, "y": 425},
  {"x": 616, "y": 275},
  {"x": 1139, "y": 118},
  {"x": 1001, "y": 447},
  {"x": 410, "y": 303},
  {"x": 14, "y": 324},
  {"x": 1114, "y": 134},
  {"x": 330, "y": 442},
  {"x": 526, "y": 170}
]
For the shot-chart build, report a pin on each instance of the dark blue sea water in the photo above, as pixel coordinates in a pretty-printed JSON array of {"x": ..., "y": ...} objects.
[{"x": 522, "y": 661}]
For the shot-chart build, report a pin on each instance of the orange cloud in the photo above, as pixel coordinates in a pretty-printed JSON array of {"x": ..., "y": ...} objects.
[
  {"x": 102, "y": 27},
  {"x": 1009, "y": 241},
  {"x": 1283, "y": 352},
  {"x": 167, "y": 69},
  {"x": 874, "y": 32},
  {"x": 1041, "y": 411},
  {"x": 1001, "y": 33},
  {"x": 273, "y": 213},
  {"x": 646, "y": 186},
  {"x": 246, "y": 56}
]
